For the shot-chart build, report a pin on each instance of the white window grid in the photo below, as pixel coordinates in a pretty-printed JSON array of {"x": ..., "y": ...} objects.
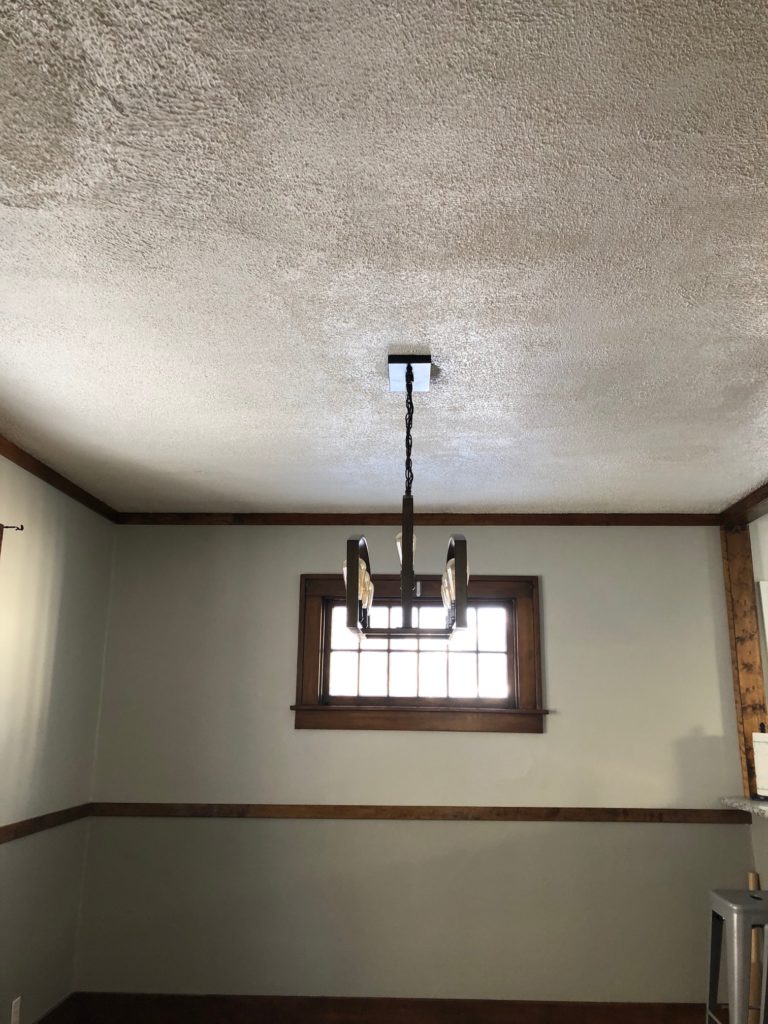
[{"x": 471, "y": 666}]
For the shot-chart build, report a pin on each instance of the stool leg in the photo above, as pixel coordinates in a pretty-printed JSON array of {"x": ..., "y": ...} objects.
[
  {"x": 715, "y": 947},
  {"x": 738, "y": 934}
]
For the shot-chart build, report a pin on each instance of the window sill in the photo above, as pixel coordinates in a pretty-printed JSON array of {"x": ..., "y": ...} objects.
[{"x": 321, "y": 716}]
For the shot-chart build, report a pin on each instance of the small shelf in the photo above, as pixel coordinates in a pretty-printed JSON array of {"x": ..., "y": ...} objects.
[{"x": 758, "y": 808}]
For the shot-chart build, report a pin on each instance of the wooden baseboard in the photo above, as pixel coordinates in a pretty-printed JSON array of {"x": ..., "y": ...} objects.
[{"x": 115, "y": 1008}]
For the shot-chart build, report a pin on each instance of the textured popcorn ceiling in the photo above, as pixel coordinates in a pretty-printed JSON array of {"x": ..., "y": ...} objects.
[{"x": 218, "y": 218}]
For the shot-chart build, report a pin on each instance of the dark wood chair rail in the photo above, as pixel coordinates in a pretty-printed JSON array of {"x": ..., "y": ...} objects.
[{"x": 375, "y": 812}]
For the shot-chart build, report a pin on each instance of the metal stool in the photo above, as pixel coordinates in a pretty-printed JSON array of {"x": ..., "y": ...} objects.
[{"x": 740, "y": 911}]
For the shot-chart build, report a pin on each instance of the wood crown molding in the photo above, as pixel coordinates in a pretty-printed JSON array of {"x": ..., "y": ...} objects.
[
  {"x": 44, "y": 472},
  {"x": 124, "y": 1008},
  {"x": 748, "y": 508},
  {"x": 374, "y": 812},
  {"x": 751, "y": 507},
  {"x": 420, "y": 519}
]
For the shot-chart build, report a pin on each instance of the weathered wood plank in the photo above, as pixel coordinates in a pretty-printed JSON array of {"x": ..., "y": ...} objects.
[{"x": 746, "y": 660}]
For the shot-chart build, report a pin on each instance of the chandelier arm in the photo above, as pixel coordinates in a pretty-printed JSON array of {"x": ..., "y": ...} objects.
[
  {"x": 457, "y": 549},
  {"x": 357, "y": 548}
]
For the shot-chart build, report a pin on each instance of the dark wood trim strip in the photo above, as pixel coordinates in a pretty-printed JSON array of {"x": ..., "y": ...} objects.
[
  {"x": 420, "y": 518},
  {"x": 748, "y": 508},
  {"x": 28, "y": 827},
  {"x": 119, "y": 1008},
  {"x": 43, "y": 472},
  {"x": 746, "y": 659},
  {"x": 374, "y": 812},
  {"x": 405, "y": 812},
  {"x": 32, "y": 465},
  {"x": 424, "y": 719}
]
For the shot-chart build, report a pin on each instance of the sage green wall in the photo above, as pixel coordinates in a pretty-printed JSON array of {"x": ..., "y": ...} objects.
[
  {"x": 40, "y": 898},
  {"x": 200, "y": 673},
  {"x": 419, "y": 909},
  {"x": 54, "y": 586},
  {"x": 199, "y": 676}
]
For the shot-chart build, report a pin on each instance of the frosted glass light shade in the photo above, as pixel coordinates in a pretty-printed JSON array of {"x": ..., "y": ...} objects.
[
  {"x": 448, "y": 583},
  {"x": 445, "y": 593},
  {"x": 450, "y": 575},
  {"x": 362, "y": 575},
  {"x": 399, "y": 542}
]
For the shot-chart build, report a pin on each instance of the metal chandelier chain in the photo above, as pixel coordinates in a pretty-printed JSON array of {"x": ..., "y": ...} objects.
[{"x": 408, "y": 427}]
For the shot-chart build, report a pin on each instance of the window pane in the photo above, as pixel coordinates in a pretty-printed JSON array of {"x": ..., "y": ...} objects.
[
  {"x": 462, "y": 675},
  {"x": 432, "y": 616},
  {"x": 402, "y": 674},
  {"x": 442, "y": 668},
  {"x": 434, "y": 644},
  {"x": 379, "y": 619},
  {"x": 404, "y": 643},
  {"x": 341, "y": 637},
  {"x": 432, "y": 675},
  {"x": 379, "y": 616},
  {"x": 466, "y": 639},
  {"x": 373, "y": 674},
  {"x": 343, "y": 675},
  {"x": 493, "y": 675},
  {"x": 396, "y": 621},
  {"x": 492, "y": 629},
  {"x": 373, "y": 645}
]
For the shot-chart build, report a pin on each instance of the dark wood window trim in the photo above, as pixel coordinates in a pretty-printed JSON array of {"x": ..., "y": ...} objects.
[{"x": 522, "y": 713}]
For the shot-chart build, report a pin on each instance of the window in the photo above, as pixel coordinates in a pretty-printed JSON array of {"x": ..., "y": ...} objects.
[{"x": 484, "y": 678}]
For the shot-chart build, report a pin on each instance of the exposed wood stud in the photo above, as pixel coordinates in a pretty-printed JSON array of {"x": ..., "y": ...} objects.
[{"x": 746, "y": 660}]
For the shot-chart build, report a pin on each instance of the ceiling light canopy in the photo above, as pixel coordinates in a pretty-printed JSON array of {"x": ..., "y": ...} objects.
[{"x": 407, "y": 373}]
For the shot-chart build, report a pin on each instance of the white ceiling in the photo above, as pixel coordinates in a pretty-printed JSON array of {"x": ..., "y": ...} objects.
[{"x": 219, "y": 217}]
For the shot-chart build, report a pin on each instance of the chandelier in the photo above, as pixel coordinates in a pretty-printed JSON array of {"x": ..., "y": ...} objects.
[{"x": 406, "y": 373}]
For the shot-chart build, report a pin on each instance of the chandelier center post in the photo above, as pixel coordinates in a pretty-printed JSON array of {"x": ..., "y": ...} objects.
[{"x": 407, "y": 373}]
